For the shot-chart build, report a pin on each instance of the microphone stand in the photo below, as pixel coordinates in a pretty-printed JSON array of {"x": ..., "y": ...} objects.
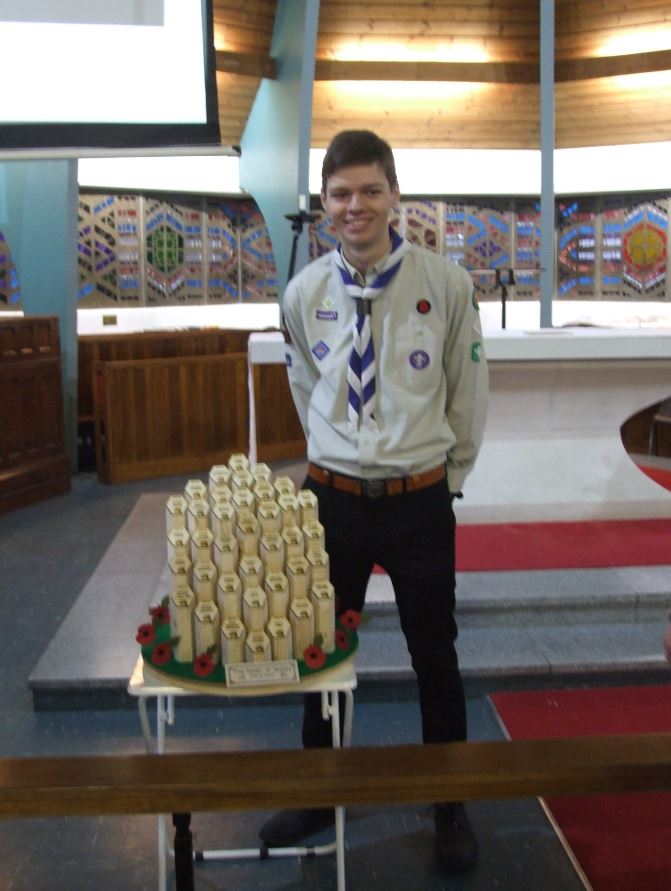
[
  {"x": 298, "y": 220},
  {"x": 500, "y": 283}
]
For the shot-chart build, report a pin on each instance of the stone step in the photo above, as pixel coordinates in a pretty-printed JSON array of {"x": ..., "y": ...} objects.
[
  {"x": 550, "y": 597},
  {"x": 514, "y": 626},
  {"x": 512, "y": 657}
]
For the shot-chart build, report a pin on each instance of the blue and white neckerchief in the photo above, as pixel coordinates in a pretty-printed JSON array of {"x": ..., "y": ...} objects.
[{"x": 361, "y": 369}]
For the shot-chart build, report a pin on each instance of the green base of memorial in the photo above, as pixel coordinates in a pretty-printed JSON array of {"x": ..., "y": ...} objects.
[{"x": 157, "y": 655}]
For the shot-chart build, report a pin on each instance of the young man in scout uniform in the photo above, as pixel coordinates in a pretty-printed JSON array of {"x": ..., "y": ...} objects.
[{"x": 388, "y": 373}]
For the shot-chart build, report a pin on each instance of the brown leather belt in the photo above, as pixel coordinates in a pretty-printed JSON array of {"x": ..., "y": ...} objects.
[{"x": 376, "y": 488}]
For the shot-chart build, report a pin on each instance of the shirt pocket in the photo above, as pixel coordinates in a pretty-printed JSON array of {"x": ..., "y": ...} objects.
[{"x": 418, "y": 358}]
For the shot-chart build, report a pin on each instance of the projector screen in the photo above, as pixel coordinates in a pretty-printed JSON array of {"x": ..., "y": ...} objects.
[{"x": 99, "y": 74}]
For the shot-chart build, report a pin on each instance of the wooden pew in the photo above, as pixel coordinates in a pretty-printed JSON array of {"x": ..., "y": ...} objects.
[
  {"x": 176, "y": 402},
  {"x": 33, "y": 460},
  {"x": 138, "y": 784},
  {"x": 156, "y": 417},
  {"x": 92, "y": 348}
]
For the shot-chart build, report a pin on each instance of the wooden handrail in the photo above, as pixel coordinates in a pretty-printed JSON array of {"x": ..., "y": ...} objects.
[{"x": 135, "y": 784}]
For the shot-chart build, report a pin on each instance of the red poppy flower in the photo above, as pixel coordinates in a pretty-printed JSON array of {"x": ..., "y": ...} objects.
[
  {"x": 314, "y": 657},
  {"x": 341, "y": 640},
  {"x": 145, "y": 634},
  {"x": 203, "y": 665},
  {"x": 350, "y": 619},
  {"x": 161, "y": 654},
  {"x": 160, "y": 615}
]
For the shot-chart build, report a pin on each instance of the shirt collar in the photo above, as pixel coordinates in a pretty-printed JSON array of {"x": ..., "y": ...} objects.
[{"x": 372, "y": 270}]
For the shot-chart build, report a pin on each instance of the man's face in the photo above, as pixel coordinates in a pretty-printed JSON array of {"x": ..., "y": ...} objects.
[{"x": 359, "y": 200}]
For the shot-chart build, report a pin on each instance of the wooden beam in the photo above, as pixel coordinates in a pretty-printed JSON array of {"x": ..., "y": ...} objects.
[
  {"x": 137, "y": 784},
  {"x": 253, "y": 64},
  {"x": 472, "y": 72},
  {"x": 260, "y": 65},
  {"x": 612, "y": 66}
]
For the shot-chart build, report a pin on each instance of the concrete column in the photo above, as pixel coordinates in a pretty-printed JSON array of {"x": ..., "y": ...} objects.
[
  {"x": 275, "y": 147},
  {"x": 41, "y": 229},
  {"x": 548, "y": 258}
]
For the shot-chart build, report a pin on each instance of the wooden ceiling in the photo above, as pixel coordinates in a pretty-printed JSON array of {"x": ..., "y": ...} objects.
[{"x": 449, "y": 74}]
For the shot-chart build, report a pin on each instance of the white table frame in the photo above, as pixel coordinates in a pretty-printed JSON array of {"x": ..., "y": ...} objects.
[{"x": 342, "y": 679}]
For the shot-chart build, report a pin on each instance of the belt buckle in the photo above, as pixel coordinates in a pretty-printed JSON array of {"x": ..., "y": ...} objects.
[{"x": 373, "y": 488}]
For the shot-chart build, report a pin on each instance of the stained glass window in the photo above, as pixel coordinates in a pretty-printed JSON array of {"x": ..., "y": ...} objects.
[
  {"x": 527, "y": 263},
  {"x": 576, "y": 248},
  {"x": 149, "y": 251},
  {"x": 422, "y": 223},
  {"x": 258, "y": 273},
  {"x": 645, "y": 235},
  {"x": 136, "y": 250},
  {"x": 10, "y": 292}
]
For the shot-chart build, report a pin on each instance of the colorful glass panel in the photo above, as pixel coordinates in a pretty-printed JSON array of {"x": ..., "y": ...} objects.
[
  {"x": 97, "y": 257},
  {"x": 576, "y": 250},
  {"x": 10, "y": 292},
  {"x": 527, "y": 251},
  {"x": 453, "y": 235},
  {"x": 258, "y": 272},
  {"x": 129, "y": 248},
  {"x": 173, "y": 253},
  {"x": 136, "y": 250},
  {"x": 645, "y": 235},
  {"x": 612, "y": 221},
  {"x": 422, "y": 223},
  {"x": 322, "y": 236},
  {"x": 222, "y": 251},
  {"x": 487, "y": 239}
]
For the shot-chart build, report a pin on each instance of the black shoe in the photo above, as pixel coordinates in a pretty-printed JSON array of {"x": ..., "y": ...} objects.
[
  {"x": 456, "y": 845},
  {"x": 287, "y": 828}
]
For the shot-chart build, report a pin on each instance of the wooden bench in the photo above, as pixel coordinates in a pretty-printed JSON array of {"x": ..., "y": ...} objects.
[
  {"x": 33, "y": 460},
  {"x": 125, "y": 346},
  {"x": 165, "y": 403},
  {"x": 156, "y": 417},
  {"x": 181, "y": 784}
]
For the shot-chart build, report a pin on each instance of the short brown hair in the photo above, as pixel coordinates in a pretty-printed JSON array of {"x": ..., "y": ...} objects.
[{"x": 351, "y": 147}]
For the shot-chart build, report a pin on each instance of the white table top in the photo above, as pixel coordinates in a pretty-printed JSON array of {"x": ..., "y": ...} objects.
[
  {"x": 567, "y": 344},
  {"x": 545, "y": 344}
]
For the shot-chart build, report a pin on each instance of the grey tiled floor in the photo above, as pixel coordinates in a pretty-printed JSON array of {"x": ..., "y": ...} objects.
[
  {"x": 48, "y": 628},
  {"x": 513, "y": 625}
]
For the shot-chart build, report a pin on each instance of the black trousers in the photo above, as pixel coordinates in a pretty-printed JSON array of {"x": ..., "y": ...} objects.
[{"x": 412, "y": 537}]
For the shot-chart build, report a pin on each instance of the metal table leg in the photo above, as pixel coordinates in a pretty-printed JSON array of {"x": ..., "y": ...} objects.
[
  {"x": 165, "y": 714},
  {"x": 331, "y": 707}
]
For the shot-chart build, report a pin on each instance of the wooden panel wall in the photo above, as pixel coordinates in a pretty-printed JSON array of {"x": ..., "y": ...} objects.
[
  {"x": 612, "y": 111},
  {"x": 442, "y": 30},
  {"x": 586, "y": 28},
  {"x": 451, "y": 110},
  {"x": 33, "y": 461},
  {"x": 431, "y": 115},
  {"x": 244, "y": 26}
]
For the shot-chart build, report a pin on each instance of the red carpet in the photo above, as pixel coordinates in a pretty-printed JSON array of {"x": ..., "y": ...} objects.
[
  {"x": 565, "y": 545},
  {"x": 659, "y": 474},
  {"x": 622, "y": 842}
]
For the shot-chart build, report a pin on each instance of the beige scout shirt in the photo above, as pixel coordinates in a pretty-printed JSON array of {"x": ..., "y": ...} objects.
[{"x": 431, "y": 371}]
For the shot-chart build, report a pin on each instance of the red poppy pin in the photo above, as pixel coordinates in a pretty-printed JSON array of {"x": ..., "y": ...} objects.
[{"x": 423, "y": 306}]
